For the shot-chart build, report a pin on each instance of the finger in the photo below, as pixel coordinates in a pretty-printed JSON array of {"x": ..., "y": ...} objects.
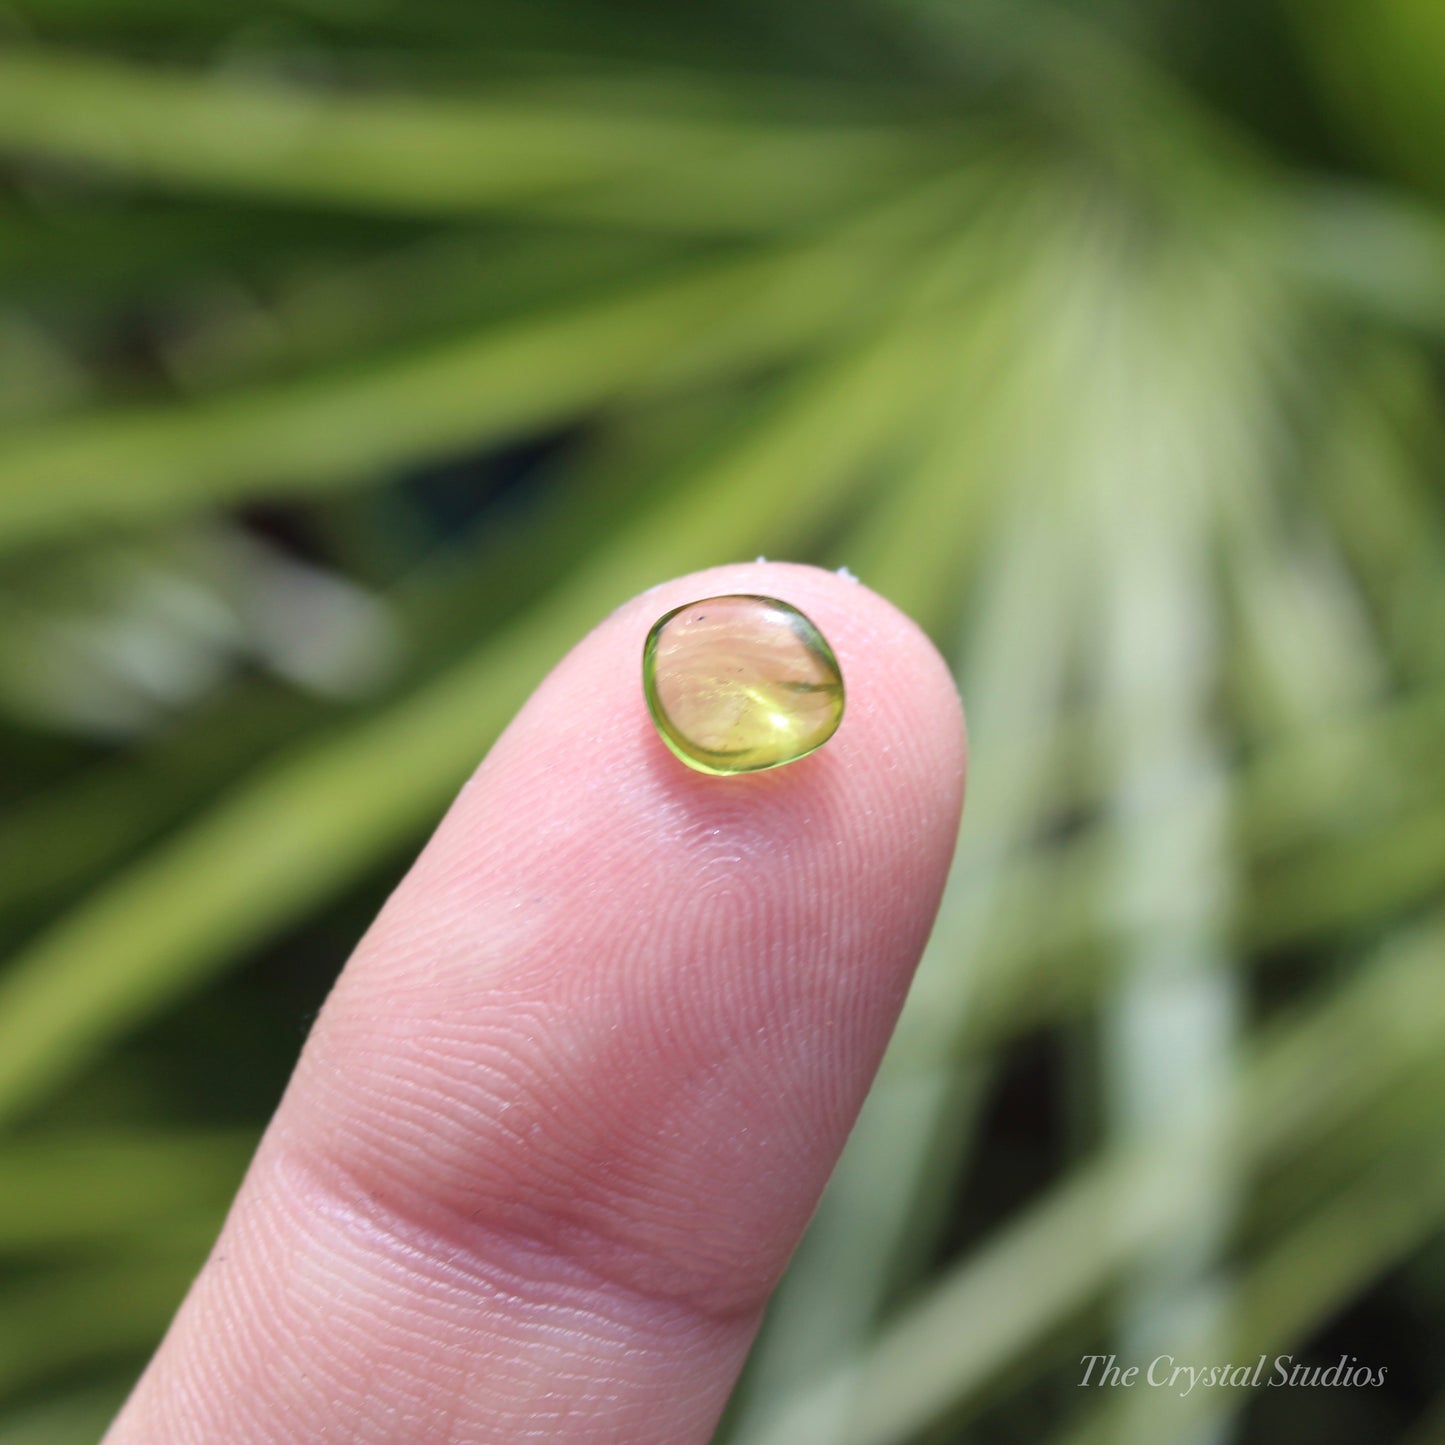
[{"x": 573, "y": 1099}]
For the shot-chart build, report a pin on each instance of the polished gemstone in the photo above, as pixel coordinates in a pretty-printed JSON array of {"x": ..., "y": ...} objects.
[{"x": 742, "y": 683}]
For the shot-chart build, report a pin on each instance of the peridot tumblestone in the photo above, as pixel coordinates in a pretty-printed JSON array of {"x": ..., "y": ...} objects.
[{"x": 741, "y": 683}]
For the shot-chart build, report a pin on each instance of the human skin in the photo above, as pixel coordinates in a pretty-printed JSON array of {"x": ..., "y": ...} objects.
[{"x": 573, "y": 1099}]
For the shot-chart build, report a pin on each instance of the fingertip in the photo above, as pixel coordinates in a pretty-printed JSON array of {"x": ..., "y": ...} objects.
[{"x": 596, "y": 916}]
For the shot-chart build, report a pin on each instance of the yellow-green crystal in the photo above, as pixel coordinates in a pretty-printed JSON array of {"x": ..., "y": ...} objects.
[{"x": 741, "y": 683}]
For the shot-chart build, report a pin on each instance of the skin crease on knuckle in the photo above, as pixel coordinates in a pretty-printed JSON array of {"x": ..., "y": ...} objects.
[{"x": 574, "y": 1098}]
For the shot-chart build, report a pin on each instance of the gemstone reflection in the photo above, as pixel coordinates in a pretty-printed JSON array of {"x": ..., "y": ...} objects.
[{"x": 741, "y": 683}]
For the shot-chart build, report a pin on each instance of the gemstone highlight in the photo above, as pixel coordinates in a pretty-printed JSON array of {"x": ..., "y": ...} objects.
[{"x": 741, "y": 683}]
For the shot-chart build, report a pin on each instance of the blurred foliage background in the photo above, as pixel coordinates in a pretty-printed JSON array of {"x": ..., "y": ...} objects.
[{"x": 357, "y": 355}]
